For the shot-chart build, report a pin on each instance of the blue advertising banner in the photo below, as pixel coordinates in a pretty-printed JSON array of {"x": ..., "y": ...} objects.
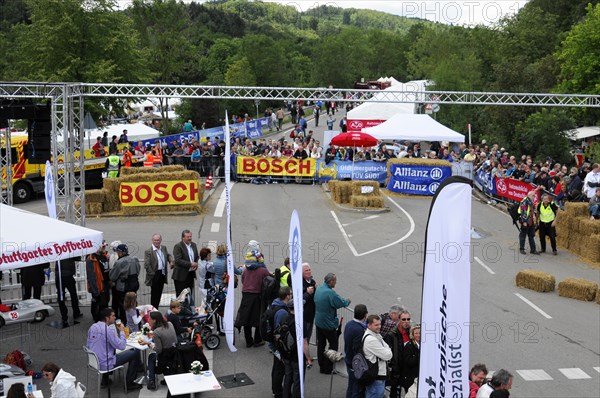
[
  {"x": 417, "y": 180},
  {"x": 342, "y": 169},
  {"x": 484, "y": 181},
  {"x": 251, "y": 129}
]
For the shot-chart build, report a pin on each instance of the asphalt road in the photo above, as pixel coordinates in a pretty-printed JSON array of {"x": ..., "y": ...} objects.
[{"x": 552, "y": 349}]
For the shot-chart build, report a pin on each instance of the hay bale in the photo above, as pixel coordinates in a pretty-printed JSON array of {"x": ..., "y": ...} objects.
[
  {"x": 579, "y": 289},
  {"x": 591, "y": 248},
  {"x": 576, "y": 209},
  {"x": 160, "y": 176},
  {"x": 357, "y": 187},
  {"x": 153, "y": 210},
  {"x": 127, "y": 171},
  {"x": 93, "y": 208},
  {"x": 376, "y": 201},
  {"x": 598, "y": 296},
  {"x": 95, "y": 196},
  {"x": 112, "y": 184},
  {"x": 538, "y": 281},
  {"x": 589, "y": 227},
  {"x": 360, "y": 201}
]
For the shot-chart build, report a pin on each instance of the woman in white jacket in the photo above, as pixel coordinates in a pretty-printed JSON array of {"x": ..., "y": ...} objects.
[{"x": 62, "y": 384}]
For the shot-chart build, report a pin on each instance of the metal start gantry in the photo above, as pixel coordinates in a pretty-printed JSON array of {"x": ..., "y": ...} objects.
[{"x": 67, "y": 107}]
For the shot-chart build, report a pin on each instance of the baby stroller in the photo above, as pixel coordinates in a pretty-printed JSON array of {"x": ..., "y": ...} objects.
[{"x": 201, "y": 319}]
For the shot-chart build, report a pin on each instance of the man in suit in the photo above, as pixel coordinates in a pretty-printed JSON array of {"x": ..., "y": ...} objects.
[
  {"x": 186, "y": 263},
  {"x": 156, "y": 262}
]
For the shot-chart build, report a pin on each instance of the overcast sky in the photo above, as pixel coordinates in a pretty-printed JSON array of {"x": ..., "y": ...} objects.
[{"x": 468, "y": 12}]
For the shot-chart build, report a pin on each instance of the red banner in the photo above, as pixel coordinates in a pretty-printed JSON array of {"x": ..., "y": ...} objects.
[
  {"x": 512, "y": 189},
  {"x": 355, "y": 125}
]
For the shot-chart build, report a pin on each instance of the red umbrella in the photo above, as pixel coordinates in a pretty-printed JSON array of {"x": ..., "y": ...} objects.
[{"x": 354, "y": 140}]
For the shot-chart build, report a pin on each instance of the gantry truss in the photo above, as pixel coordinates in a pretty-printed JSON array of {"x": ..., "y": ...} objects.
[{"x": 67, "y": 102}]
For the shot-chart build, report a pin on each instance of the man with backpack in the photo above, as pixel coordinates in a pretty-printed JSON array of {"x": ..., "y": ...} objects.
[
  {"x": 286, "y": 344},
  {"x": 271, "y": 320},
  {"x": 376, "y": 351},
  {"x": 125, "y": 275},
  {"x": 353, "y": 334}
]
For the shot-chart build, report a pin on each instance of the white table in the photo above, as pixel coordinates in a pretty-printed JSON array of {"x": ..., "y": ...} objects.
[
  {"x": 187, "y": 383},
  {"x": 132, "y": 342}
]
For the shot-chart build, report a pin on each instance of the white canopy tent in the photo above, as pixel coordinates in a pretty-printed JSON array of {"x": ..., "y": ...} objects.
[
  {"x": 582, "y": 133},
  {"x": 135, "y": 132},
  {"x": 413, "y": 128},
  {"x": 29, "y": 239},
  {"x": 372, "y": 110}
]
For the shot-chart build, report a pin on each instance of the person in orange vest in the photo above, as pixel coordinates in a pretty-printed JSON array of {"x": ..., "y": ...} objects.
[
  {"x": 127, "y": 157},
  {"x": 149, "y": 159},
  {"x": 157, "y": 151}
]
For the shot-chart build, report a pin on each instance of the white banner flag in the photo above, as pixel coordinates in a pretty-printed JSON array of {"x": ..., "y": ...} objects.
[
  {"x": 295, "y": 243},
  {"x": 49, "y": 191},
  {"x": 444, "y": 364},
  {"x": 230, "y": 302}
]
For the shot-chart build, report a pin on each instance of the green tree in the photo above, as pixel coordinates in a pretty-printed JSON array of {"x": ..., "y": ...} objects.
[
  {"x": 579, "y": 56},
  {"x": 544, "y": 134}
]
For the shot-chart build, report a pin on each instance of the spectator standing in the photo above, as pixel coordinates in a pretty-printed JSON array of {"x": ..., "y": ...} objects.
[
  {"x": 547, "y": 214},
  {"x": 98, "y": 281},
  {"x": 343, "y": 125},
  {"x": 317, "y": 114},
  {"x": 185, "y": 254},
  {"x": 411, "y": 358},
  {"x": 501, "y": 380},
  {"x": 33, "y": 278},
  {"x": 125, "y": 276},
  {"x": 353, "y": 334},
  {"x": 592, "y": 181},
  {"x": 527, "y": 220},
  {"x": 389, "y": 321},
  {"x": 157, "y": 262},
  {"x": 251, "y": 307},
  {"x": 377, "y": 351},
  {"x": 188, "y": 126},
  {"x": 309, "y": 286},
  {"x": 327, "y": 302},
  {"x": 104, "y": 338},
  {"x": 105, "y": 138},
  {"x": 280, "y": 115},
  {"x": 66, "y": 281},
  {"x": 330, "y": 121},
  {"x": 98, "y": 148},
  {"x": 280, "y": 309},
  {"x": 477, "y": 377}
]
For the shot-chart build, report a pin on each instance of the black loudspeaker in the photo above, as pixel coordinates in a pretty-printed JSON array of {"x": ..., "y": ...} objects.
[{"x": 39, "y": 133}]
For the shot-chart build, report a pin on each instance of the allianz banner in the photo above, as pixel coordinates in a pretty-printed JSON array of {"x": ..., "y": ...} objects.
[
  {"x": 417, "y": 180},
  {"x": 343, "y": 169}
]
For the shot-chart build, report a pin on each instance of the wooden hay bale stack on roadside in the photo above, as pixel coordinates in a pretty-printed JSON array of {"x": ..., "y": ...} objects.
[
  {"x": 366, "y": 194},
  {"x": 340, "y": 191},
  {"x": 360, "y": 188},
  {"x": 538, "y": 281},
  {"x": 576, "y": 232},
  {"x": 579, "y": 289}
]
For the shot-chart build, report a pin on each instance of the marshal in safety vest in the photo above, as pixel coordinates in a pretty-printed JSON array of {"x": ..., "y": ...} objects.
[
  {"x": 547, "y": 213},
  {"x": 113, "y": 166}
]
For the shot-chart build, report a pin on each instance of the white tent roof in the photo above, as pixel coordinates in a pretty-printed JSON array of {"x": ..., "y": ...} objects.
[
  {"x": 28, "y": 239},
  {"x": 413, "y": 128},
  {"x": 372, "y": 110},
  {"x": 582, "y": 133},
  {"x": 135, "y": 131}
]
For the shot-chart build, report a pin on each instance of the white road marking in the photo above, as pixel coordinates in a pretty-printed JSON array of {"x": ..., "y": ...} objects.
[
  {"x": 353, "y": 249},
  {"x": 220, "y": 207},
  {"x": 215, "y": 227},
  {"x": 362, "y": 219},
  {"x": 484, "y": 266},
  {"x": 574, "y": 373},
  {"x": 597, "y": 369},
  {"x": 535, "y": 307},
  {"x": 534, "y": 375}
]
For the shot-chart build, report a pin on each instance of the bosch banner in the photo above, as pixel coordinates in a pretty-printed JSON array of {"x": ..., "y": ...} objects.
[
  {"x": 356, "y": 126},
  {"x": 512, "y": 189},
  {"x": 417, "y": 180},
  {"x": 343, "y": 169},
  {"x": 276, "y": 166},
  {"x": 159, "y": 193}
]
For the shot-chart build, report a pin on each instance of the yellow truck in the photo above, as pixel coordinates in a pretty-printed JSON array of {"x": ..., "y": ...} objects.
[{"x": 28, "y": 179}]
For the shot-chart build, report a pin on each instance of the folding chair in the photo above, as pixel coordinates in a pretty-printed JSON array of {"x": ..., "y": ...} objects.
[{"x": 94, "y": 364}]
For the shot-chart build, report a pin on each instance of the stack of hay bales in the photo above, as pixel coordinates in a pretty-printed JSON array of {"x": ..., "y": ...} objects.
[
  {"x": 536, "y": 280},
  {"x": 372, "y": 199},
  {"x": 341, "y": 191},
  {"x": 576, "y": 232},
  {"x": 579, "y": 289},
  {"x": 106, "y": 200}
]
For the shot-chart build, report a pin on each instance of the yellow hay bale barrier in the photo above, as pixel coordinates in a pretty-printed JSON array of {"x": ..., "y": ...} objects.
[
  {"x": 576, "y": 209},
  {"x": 539, "y": 281},
  {"x": 125, "y": 171},
  {"x": 357, "y": 187},
  {"x": 579, "y": 289}
]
